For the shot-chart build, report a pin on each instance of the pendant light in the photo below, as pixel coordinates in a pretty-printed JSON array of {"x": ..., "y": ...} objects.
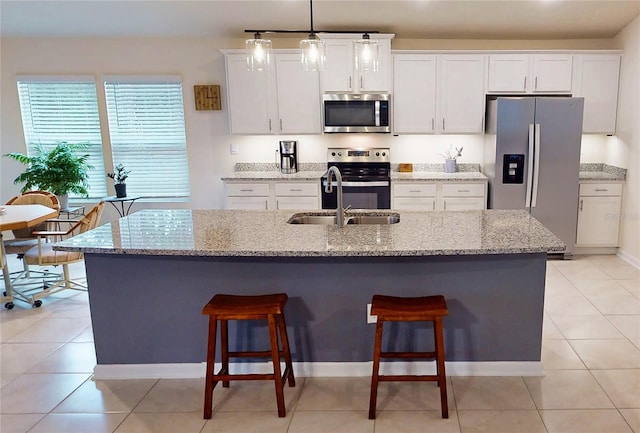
[
  {"x": 258, "y": 53},
  {"x": 366, "y": 54},
  {"x": 312, "y": 49}
]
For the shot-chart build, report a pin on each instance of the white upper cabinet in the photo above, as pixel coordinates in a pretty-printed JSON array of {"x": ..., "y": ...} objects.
[
  {"x": 414, "y": 94},
  {"x": 596, "y": 79},
  {"x": 530, "y": 73},
  {"x": 460, "y": 101},
  {"x": 283, "y": 100},
  {"x": 339, "y": 73},
  {"x": 298, "y": 97}
]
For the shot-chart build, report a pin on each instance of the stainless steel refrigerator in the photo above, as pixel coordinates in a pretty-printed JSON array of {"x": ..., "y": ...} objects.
[{"x": 532, "y": 159}]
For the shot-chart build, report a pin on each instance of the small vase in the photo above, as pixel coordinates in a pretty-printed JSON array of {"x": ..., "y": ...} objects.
[
  {"x": 450, "y": 166},
  {"x": 121, "y": 190}
]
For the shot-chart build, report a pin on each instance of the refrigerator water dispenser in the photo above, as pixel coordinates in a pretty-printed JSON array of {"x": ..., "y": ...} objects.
[{"x": 513, "y": 168}]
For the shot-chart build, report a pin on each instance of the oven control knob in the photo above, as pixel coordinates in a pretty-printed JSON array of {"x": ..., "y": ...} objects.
[
  {"x": 377, "y": 153},
  {"x": 333, "y": 154},
  {"x": 384, "y": 153},
  {"x": 339, "y": 153}
]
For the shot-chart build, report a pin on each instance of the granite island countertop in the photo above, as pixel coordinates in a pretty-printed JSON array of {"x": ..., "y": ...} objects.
[{"x": 234, "y": 233}]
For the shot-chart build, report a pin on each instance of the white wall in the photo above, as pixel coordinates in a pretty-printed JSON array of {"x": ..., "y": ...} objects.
[
  {"x": 199, "y": 61},
  {"x": 625, "y": 151}
]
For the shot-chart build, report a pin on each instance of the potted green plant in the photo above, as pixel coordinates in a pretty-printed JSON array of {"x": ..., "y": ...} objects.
[
  {"x": 119, "y": 176},
  {"x": 61, "y": 170}
]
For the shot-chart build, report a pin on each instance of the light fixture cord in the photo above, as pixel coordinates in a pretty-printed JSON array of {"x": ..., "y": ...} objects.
[{"x": 311, "y": 14}]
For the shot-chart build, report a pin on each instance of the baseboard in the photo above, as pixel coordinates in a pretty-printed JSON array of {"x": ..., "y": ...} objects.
[
  {"x": 632, "y": 260},
  {"x": 320, "y": 369},
  {"x": 595, "y": 251}
]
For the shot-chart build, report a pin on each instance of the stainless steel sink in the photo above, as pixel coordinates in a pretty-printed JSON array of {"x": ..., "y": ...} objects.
[{"x": 330, "y": 219}]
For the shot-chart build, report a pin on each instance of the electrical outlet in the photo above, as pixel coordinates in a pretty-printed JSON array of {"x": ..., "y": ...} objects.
[
  {"x": 234, "y": 149},
  {"x": 370, "y": 318}
]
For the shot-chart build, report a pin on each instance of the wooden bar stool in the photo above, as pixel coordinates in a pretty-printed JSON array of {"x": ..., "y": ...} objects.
[
  {"x": 232, "y": 307},
  {"x": 397, "y": 309}
]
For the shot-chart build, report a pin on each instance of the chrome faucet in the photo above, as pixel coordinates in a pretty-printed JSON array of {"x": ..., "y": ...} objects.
[{"x": 328, "y": 188}]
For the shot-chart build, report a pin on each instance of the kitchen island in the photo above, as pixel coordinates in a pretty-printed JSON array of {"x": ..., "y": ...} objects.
[{"x": 151, "y": 273}]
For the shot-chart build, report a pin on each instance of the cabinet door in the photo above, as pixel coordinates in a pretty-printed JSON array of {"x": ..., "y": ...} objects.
[
  {"x": 466, "y": 203},
  {"x": 598, "y": 221},
  {"x": 337, "y": 75},
  {"x": 508, "y": 73},
  {"x": 246, "y": 203},
  {"x": 419, "y": 203},
  {"x": 380, "y": 80},
  {"x": 551, "y": 73},
  {"x": 298, "y": 97},
  {"x": 414, "y": 94},
  {"x": 307, "y": 203},
  {"x": 596, "y": 79},
  {"x": 460, "y": 103},
  {"x": 250, "y": 97}
]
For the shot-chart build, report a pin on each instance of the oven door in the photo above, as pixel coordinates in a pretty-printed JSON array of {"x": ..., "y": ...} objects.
[{"x": 359, "y": 195}]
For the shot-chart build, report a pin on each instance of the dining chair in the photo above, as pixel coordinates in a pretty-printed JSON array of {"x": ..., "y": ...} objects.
[{"x": 44, "y": 255}]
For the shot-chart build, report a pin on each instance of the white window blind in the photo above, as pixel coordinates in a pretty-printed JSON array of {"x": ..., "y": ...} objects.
[
  {"x": 146, "y": 125},
  {"x": 58, "y": 109}
]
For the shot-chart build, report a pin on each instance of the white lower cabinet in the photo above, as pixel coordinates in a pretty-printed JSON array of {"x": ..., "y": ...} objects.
[
  {"x": 599, "y": 215},
  {"x": 299, "y": 195},
  {"x": 439, "y": 196},
  {"x": 272, "y": 195}
]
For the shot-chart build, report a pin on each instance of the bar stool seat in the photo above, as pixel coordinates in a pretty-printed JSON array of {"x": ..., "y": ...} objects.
[
  {"x": 234, "y": 307},
  {"x": 408, "y": 309}
]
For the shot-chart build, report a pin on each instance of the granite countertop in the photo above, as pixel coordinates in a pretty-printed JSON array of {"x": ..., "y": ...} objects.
[
  {"x": 602, "y": 172},
  {"x": 233, "y": 233},
  {"x": 421, "y": 176}
]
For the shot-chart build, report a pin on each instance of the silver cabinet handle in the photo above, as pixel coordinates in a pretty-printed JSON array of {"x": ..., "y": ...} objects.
[
  {"x": 535, "y": 83},
  {"x": 280, "y": 124},
  {"x": 602, "y": 189},
  {"x": 246, "y": 190},
  {"x": 525, "y": 83},
  {"x": 433, "y": 124},
  {"x": 266, "y": 204},
  {"x": 349, "y": 82},
  {"x": 269, "y": 124},
  {"x": 581, "y": 203},
  {"x": 463, "y": 190},
  {"x": 415, "y": 190},
  {"x": 443, "y": 123},
  {"x": 445, "y": 205},
  {"x": 361, "y": 82},
  {"x": 433, "y": 206},
  {"x": 295, "y": 190}
]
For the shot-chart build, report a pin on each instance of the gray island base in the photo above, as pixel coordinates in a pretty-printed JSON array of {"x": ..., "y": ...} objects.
[{"x": 148, "y": 287}]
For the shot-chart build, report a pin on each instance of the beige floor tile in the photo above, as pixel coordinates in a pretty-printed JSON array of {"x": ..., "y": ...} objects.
[
  {"x": 174, "y": 395},
  {"x": 623, "y": 303},
  {"x": 632, "y": 286},
  {"x": 6, "y": 378},
  {"x": 632, "y": 416},
  {"x": 567, "y": 389},
  {"x": 628, "y": 325},
  {"x": 52, "y": 330},
  {"x": 335, "y": 393},
  {"x": 491, "y": 393},
  {"x": 584, "y": 421},
  {"x": 500, "y": 421},
  {"x": 559, "y": 355},
  {"x": 72, "y": 307},
  {"x": 18, "y": 423},
  {"x": 576, "y": 305},
  {"x": 38, "y": 393},
  {"x": 599, "y": 287},
  {"x": 343, "y": 421},
  {"x": 621, "y": 271},
  {"x": 79, "y": 423},
  {"x": 605, "y": 260},
  {"x": 183, "y": 422},
  {"x": 17, "y": 320},
  {"x": 102, "y": 396},
  {"x": 20, "y": 357},
  {"x": 581, "y": 270},
  {"x": 247, "y": 396},
  {"x": 585, "y": 327},
  {"x": 412, "y": 396},
  {"x": 622, "y": 386},
  {"x": 247, "y": 422},
  {"x": 397, "y": 421},
  {"x": 607, "y": 354},
  {"x": 85, "y": 336},
  {"x": 559, "y": 286},
  {"x": 70, "y": 358},
  {"x": 549, "y": 330}
]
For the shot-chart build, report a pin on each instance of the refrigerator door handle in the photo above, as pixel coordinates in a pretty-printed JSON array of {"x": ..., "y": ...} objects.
[
  {"x": 527, "y": 201},
  {"x": 536, "y": 167}
]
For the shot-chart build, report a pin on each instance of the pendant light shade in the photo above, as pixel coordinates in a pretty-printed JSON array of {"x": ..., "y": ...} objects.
[
  {"x": 366, "y": 54},
  {"x": 258, "y": 53},
  {"x": 312, "y": 53}
]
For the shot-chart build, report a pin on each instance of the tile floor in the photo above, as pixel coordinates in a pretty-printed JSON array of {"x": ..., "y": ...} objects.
[{"x": 591, "y": 355}]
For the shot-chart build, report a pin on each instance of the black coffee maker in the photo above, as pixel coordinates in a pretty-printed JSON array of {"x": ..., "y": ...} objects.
[{"x": 289, "y": 156}]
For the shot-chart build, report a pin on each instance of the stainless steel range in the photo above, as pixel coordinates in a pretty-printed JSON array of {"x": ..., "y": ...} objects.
[{"x": 365, "y": 178}]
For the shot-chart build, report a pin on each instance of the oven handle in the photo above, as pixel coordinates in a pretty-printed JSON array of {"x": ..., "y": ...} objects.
[{"x": 358, "y": 184}]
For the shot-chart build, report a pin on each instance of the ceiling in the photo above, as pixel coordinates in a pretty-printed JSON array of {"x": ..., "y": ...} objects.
[{"x": 418, "y": 19}]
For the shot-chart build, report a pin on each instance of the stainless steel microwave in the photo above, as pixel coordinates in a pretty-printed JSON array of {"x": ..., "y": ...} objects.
[{"x": 351, "y": 112}]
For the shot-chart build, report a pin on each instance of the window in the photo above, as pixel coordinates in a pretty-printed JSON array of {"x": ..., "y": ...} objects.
[
  {"x": 63, "y": 109},
  {"x": 146, "y": 126}
]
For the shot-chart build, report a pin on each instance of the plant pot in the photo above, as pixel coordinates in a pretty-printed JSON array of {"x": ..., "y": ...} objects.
[
  {"x": 121, "y": 190},
  {"x": 450, "y": 166},
  {"x": 63, "y": 200}
]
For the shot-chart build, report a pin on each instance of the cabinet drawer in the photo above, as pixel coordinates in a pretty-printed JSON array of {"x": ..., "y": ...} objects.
[
  {"x": 596, "y": 189},
  {"x": 463, "y": 189},
  {"x": 414, "y": 189},
  {"x": 406, "y": 203},
  {"x": 296, "y": 189},
  {"x": 247, "y": 189}
]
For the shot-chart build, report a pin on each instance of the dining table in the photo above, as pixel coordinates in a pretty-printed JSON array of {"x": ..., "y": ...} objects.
[{"x": 14, "y": 217}]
